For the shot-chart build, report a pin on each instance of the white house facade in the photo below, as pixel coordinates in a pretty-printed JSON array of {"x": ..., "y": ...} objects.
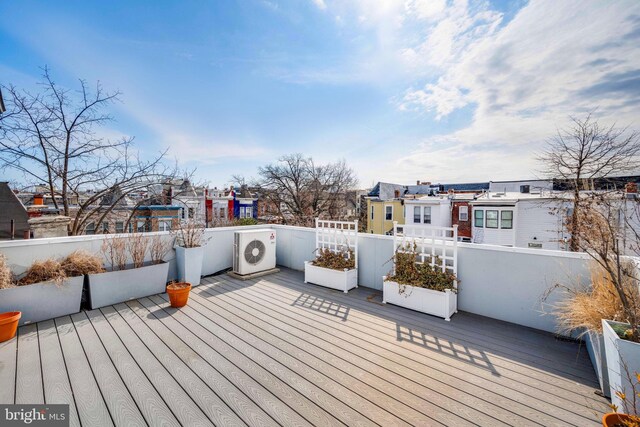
[
  {"x": 519, "y": 219},
  {"x": 428, "y": 211}
]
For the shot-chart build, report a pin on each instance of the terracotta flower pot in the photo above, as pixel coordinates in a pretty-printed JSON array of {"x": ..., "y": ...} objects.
[
  {"x": 178, "y": 294},
  {"x": 614, "y": 419},
  {"x": 9, "y": 325}
]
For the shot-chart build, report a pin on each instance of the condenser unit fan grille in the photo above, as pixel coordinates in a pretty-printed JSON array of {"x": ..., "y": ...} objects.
[{"x": 254, "y": 252}]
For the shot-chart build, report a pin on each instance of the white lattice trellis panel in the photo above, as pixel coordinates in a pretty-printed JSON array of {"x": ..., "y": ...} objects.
[
  {"x": 436, "y": 245},
  {"x": 337, "y": 236}
]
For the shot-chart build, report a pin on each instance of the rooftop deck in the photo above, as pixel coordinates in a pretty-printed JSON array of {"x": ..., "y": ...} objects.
[{"x": 275, "y": 351}]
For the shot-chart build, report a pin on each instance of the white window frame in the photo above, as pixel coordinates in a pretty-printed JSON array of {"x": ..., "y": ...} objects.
[
  {"x": 385, "y": 212},
  {"x": 164, "y": 225},
  {"x": 372, "y": 210},
  {"x": 119, "y": 226},
  {"x": 418, "y": 210},
  {"x": 463, "y": 213},
  {"x": 426, "y": 209}
]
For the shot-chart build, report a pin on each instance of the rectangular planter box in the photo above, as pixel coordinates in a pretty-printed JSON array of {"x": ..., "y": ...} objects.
[
  {"x": 342, "y": 280},
  {"x": 189, "y": 264},
  {"x": 43, "y": 301},
  {"x": 595, "y": 347},
  {"x": 623, "y": 360},
  {"x": 441, "y": 304},
  {"x": 114, "y": 287}
]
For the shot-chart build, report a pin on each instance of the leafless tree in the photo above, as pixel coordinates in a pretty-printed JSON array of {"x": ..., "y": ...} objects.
[
  {"x": 584, "y": 151},
  {"x": 300, "y": 189},
  {"x": 53, "y": 138},
  {"x": 606, "y": 221}
]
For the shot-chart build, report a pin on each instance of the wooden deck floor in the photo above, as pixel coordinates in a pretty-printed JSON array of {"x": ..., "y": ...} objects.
[{"x": 275, "y": 351}]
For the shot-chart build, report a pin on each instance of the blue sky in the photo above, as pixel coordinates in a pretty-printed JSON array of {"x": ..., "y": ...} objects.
[{"x": 436, "y": 90}]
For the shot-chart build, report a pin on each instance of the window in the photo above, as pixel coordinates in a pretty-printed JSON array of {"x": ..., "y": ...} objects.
[
  {"x": 506, "y": 219},
  {"x": 427, "y": 214},
  {"x": 492, "y": 219},
  {"x": 182, "y": 213},
  {"x": 191, "y": 212},
  {"x": 164, "y": 225},
  {"x": 388, "y": 213},
  {"x": 246, "y": 212},
  {"x": 372, "y": 212},
  {"x": 119, "y": 227},
  {"x": 141, "y": 226},
  {"x": 416, "y": 215},
  {"x": 105, "y": 228},
  {"x": 90, "y": 228},
  {"x": 478, "y": 216},
  {"x": 463, "y": 213}
]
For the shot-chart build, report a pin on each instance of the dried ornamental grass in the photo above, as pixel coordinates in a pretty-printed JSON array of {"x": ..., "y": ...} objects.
[
  {"x": 48, "y": 270},
  {"x": 585, "y": 307},
  {"x": 6, "y": 279},
  {"x": 342, "y": 259},
  {"x": 190, "y": 235},
  {"x": 79, "y": 263}
]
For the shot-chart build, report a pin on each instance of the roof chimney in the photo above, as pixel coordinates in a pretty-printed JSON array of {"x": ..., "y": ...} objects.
[
  {"x": 418, "y": 182},
  {"x": 38, "y": 199},
  {"x": 631, "y": 187}
]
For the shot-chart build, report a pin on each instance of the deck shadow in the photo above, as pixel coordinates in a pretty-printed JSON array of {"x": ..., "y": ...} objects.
[
  {"x": 448, "y": 348},
  {"x": 322, "y": 305}
]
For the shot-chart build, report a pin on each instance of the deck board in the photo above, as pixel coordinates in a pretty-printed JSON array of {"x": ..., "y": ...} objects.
[
  {"x": 274, "y": 351},
  {"x": 57, "y": 388},
  {"x": 29, "y": 388},
  {"x": 8, "y": 357}
]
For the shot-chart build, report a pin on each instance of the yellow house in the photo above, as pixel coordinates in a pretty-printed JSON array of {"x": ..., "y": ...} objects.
[{"x": 382, "y": 213}]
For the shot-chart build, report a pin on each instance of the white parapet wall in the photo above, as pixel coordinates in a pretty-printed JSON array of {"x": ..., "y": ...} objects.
[{"x": 495, "y": 281}]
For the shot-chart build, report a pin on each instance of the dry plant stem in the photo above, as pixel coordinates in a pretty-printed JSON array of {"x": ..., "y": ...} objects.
[
  {"x": 190, "y": 235},
  {"x": 6, "y": 278},
  {"x": 137, "y": 246},
  {"x": 114, "y": 250},
  {"x": 158, "y": 249},
  {"x": 409, "y": 271}
]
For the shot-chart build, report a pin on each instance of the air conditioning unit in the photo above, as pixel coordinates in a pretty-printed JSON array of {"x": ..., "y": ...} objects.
[{"x": 254, "y": 251}]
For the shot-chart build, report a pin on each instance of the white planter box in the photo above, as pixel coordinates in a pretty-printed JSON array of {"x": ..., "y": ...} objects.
[
  {"x": 189, "y": 263},
  {"x": 623, "y": 360},
  {"x": 343, "y": 280},
  {"x": 43, "y": 301},
  {"x": 437, "y": 303},
  {"x": 595, "y": 347},
  {"x": 117, "y": 286}
]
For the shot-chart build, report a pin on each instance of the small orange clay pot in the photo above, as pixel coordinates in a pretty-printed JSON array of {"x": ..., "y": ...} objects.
[
  {"x": 9, "y": 325},
  {"x": 178, "y": 294},
  {"x": 614, "y": 419}
]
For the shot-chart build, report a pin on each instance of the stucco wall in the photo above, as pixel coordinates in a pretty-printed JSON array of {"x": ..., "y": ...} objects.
[{"x": 499, "y": 282}]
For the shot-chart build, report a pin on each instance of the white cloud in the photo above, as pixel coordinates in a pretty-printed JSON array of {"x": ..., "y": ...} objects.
[
  {"x": 320, "y": 4},
  {"x": 523, "y": 80}
]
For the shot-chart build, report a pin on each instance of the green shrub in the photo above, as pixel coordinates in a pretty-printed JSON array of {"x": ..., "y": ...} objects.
[
  {"x": 409, "y": 271},
  {"x": 343, "y": 259}
]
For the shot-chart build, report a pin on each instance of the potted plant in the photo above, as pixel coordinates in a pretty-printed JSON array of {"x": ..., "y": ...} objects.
[
  {"x": 429, "y": 286},
  {"x": 44, "y": 291},
  {"x": 333, "y": 269},
  {"x": 631, "y": 417},
  {"x": 580, "y": 314},
  {"x": 128, "y": 275},
  {"x": 189, "y": 248},
  {"x": 178, "y": 293}
]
